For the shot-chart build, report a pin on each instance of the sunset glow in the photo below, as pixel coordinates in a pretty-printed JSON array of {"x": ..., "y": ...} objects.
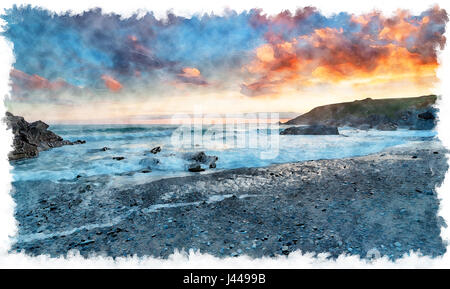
[{"x": 96, "y": 67}]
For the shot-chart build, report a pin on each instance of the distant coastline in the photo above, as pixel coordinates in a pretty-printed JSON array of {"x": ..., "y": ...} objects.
[{"x": 384, "y": 114}]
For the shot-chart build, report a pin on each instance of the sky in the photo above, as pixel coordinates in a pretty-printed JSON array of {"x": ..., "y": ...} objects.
[{"x": 102, "y": 68}]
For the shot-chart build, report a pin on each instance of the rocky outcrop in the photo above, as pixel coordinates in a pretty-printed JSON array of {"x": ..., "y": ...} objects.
[
  {"x": 311, "y": 130},
  {"x": 383, "y": 114},
  {"x": 32, "y": 138}
]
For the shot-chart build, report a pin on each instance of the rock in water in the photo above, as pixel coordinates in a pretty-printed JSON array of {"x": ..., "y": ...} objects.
[
  {"x": 32, "y": 138},
  {"x": 155, "y": 150},
  {"x": 195, "y": 168},
  {"x": 317, "y": 129},
  {"x": 202, "y": 158}
]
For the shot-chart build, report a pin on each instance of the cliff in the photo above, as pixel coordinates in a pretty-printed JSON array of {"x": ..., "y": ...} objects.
[{"x": 389, "y": 113}]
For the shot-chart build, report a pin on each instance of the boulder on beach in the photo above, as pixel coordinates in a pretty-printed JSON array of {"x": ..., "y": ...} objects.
[
  {"x": 316, "y": 129},
  {"x": 32, "y": 138}
]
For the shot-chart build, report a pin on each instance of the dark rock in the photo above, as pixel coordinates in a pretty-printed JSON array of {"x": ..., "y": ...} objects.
[
  {"x": 155, "y": 150},
  {"x": 31, "y": 138},
  {"x": 105, "y": 149},
  {"x": 426, "y": 115},
  {"x": 195, "y": 168},
  {"x": 311, "y": 130},
  {"x": 202, "y": 158},
  {"x": 79, "y": 142},
  {"x": 146, "y": 171},
  {"x": 118, "y": 158},
  {"x": 387, "y": 126}
]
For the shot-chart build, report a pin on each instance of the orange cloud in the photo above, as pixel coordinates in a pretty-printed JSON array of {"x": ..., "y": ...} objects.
[
  {"x": 35, "y": 82},
  {"x": 192, "y": 75},
  {"x": 404, "y": 47},
  {"x": 112, "y": 84},
  {"x": 191, "y": 72}
]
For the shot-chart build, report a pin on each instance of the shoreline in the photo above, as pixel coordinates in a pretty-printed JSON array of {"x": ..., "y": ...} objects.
[{"x": 384, "y": 201}]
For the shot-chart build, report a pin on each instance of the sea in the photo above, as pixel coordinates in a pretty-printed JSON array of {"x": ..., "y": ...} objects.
[{"x": 236, "y": 147}]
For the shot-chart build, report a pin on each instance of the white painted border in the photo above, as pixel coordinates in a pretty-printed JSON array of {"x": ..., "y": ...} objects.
[{"x": 179, "y": 260}]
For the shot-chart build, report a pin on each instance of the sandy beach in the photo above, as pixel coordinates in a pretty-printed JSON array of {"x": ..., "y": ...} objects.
[{"x": 384, "y": 203}]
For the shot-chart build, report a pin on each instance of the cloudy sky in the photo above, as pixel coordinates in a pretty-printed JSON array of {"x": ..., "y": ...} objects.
[{"x": 96, "y": 67}]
